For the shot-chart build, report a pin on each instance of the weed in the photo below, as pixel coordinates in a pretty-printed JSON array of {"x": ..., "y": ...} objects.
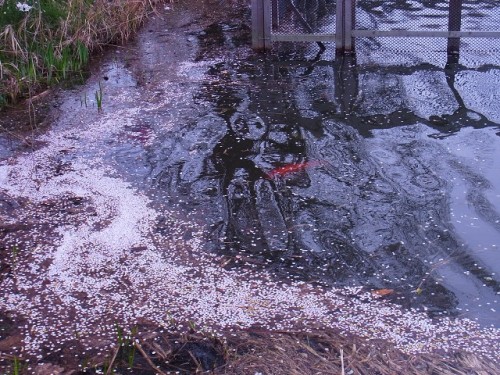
[
  {"x": 125, "y": 350},
  {"x": 50, "y": 42},
  {"x": 83, "y": 100},
  {"x": 16, "y": 366},
  {"x": 191, "y": 325},
  {"x": 171, "y": 320},
  {"x": 98, "y": 97},
  {"x": 106, "y": 368},
  {"x": 49, "y": 60},
  {"x": 82, "y": 53},
  {"x": 131, "y": 356},
  {"x": 14, "y": 253},
  {"x": 119, "y": 335},
  {"x": 131, "y": 349}
]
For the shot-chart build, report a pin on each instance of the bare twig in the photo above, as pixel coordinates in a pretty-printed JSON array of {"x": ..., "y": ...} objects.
[
  {"x": 342, "y": 360},
  {"x": 113, "y": 359},
  {"x": 10, "y": 357},
  {"x": 146, "y": 357}
]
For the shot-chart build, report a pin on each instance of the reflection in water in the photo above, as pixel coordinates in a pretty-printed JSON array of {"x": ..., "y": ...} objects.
[{"x": 378, "y": 208}]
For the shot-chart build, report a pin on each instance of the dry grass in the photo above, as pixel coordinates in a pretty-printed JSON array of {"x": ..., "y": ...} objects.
[
  {"x": 330, "y": 353},
  {"x": 153, "y": 350},
  {"x": 51, "y": 42}
]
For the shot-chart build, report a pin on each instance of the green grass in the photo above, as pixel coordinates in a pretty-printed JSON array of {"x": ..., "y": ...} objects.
[
  {"x": 15, "y": 252},
  {"x": 52, "y": 41},
  {"x": 16, "y": 366},
  {"x": 98, "y": 97},
  {"x": 125, "y": 352}
]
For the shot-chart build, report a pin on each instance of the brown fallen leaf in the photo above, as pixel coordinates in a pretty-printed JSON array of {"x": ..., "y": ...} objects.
[{"x": 382, "y": 292}]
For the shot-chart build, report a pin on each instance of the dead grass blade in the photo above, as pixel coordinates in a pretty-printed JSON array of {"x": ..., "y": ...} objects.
[
  {"x": 342, "y": 361},
  {"x": 146, "y": 357},
  {"x": 83, "y": 23},
  {"x": 113, "y": 359},
  {"x": 10, "y": 42}
]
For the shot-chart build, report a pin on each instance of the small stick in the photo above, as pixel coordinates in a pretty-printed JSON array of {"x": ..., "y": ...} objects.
[
  {"x": 146, "y": 357},
  {"x": 39, "y": 96},
  {"x": 305, "y": 24},
  {"x": 11, "y": 357},
  {"x": 113, "y": 359},
  {"x": 342, "y": 360}
]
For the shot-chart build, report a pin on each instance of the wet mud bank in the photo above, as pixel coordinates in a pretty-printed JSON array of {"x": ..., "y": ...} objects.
[{"x": 242, "y": 191}]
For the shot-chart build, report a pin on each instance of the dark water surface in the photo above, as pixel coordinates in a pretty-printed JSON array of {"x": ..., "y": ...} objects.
[{"x": 389, "y": 173}]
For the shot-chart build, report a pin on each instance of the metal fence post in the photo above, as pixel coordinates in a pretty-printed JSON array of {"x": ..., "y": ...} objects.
[
  {"x": 268, "y": 24},
  {"x": 454, "y": 24},
  {"x": 346, "y": 22},
  {"x": 349, "y": 19},
  {"x": 261, "y": 24},
  {"x": 275, "y": 13},
  {"x": 340, "y": 27}
]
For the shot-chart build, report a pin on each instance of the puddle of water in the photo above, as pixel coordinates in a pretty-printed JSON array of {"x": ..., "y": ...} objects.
[
  {"x": 376, "y": 164},
  {"x": 463, "y": 253},
  {"x": 380, "y": 207},
  {"x": 475, "y": 204}
]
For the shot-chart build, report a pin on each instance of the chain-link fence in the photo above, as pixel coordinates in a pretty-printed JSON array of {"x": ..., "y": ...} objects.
[
  {"x": 303, "y": 16},
  {"x": 426, "y": 20},
  {"x": 427, "y": 26}
]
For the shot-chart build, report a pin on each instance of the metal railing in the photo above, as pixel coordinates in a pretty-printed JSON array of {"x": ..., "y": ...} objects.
[{"x": 343, "y": 21}]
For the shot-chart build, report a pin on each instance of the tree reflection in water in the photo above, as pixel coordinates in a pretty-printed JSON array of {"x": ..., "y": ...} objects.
[{"x": 375, "y": 211}]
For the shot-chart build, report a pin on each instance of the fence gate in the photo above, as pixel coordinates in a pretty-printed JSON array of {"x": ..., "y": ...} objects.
[{"x": 343, "y": 21}]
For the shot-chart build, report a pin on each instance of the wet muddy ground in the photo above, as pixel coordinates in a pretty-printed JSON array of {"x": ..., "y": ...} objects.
[{"x": 237, "y": 190}]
